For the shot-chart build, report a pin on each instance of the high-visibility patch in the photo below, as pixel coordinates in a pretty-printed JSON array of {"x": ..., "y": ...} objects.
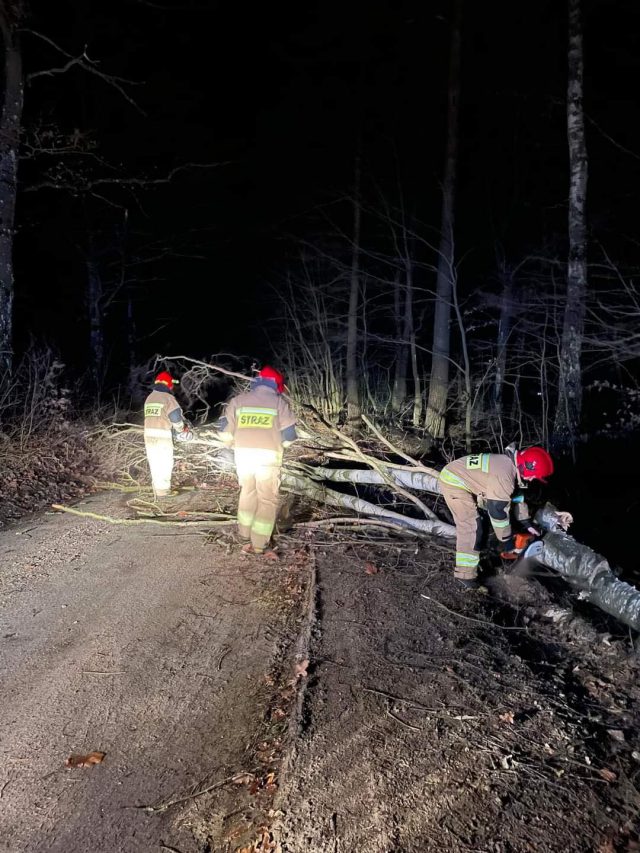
[
  {"x": 264, "y": 528},
  {"x": 245, "y": 518},
  {"x": 464, "y": 560},
  {"x": 498, "y": 523},
  {"x": 478, "y": 462},
  {"x": 452, "y": 479},
  {"x": 153, "y": 410},
  {"x": 250, "y": 418}
]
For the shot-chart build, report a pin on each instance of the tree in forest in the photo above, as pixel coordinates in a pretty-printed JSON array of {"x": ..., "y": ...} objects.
[
  {"x": 439, "y": 380},
  {"x": 11, "y": 15},
  {"x": 353, "y": 384},
  {"x": 56, "y": 143},
  {"x": 569, "y": 408}
]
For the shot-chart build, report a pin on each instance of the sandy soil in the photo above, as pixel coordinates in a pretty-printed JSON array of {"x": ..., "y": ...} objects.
[
  {"x": 155, "y": 647},
  {"x": 459, "y": 722},
  {"x": 430, "y": 720}
]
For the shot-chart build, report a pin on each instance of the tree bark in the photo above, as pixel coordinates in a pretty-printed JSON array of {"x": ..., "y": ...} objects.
[
  {"x": 504, "y": 330},
  {"x": 439, "y": 381},
  {"x": 353, "y": 396},
  {"x": 94, "y": 310},
  {"x": 10, "y": 123},
  {"x": 569, "y": 410}
]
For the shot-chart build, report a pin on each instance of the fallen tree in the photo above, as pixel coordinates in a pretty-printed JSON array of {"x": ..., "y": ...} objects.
[{"x": 408, "y": 485}]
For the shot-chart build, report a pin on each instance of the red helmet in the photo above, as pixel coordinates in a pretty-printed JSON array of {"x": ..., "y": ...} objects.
[
  {"x": 164, "y": 378},
  {"x": 534, "y": 463},
  {"x": 270, "y": 373}
]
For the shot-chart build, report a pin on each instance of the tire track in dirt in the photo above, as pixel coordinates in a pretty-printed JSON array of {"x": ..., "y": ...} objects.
[{"x": 468, "y": 726}]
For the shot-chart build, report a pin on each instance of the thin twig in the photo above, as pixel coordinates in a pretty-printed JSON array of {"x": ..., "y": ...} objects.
[
  {"x": 164, "y": 806},
  {"x": 112, "y": 520},
  {"x": 402, "y": 722},
  {"x": 471, "y": 618}
]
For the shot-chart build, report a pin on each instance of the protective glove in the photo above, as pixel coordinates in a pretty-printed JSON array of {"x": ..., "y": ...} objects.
[
  {"x": 185, "y": 435},
  {"x": 530, "y": 527},
  {"x": 565, "y": 519}
]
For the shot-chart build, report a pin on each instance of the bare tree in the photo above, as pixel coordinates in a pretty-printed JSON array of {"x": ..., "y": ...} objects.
[
  {"x": 439, "y": 381},
  {"x": 353, "y": 397},
  {"x": 569, "y": 410},
  {"x": 10, "y": 122}
]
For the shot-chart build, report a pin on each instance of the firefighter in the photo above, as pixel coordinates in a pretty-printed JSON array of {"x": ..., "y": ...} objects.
[
  {"x": 490, "y": 481},
  {"x": 259, "y": 424},
  {"x": 163, "y": 417}
]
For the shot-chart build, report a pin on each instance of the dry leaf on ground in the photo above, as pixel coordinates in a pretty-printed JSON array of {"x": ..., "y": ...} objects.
[
  {"x": 507, "y": 717},
  {"x": 85, "y": 760},
  {"x": 243, "y": 779},
  {"x": 370, "y": 569},
  {"x": 607, "y": 775},
  {"x": 300, "y": 670}
]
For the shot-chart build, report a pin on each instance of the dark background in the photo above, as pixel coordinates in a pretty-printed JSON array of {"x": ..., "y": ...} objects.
[{"x": 283, "y": 91}]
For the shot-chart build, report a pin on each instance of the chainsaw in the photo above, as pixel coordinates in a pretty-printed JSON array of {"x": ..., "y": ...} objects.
[{"x": 522, "y": 543}]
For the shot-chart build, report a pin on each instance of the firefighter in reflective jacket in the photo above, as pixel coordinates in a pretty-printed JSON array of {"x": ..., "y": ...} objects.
[
  {"x": 490, "y": 481},
  {"x": 259, "y": 424},
  {"x": 162, "y": 417}
]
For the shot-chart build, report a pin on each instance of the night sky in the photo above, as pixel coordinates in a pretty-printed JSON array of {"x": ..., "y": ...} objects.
[{"x": 283, "y": 93}]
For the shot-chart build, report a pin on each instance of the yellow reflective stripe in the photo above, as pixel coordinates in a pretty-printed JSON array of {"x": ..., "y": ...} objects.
[
  {"x": 485, "y": 463},
  {"x": 156, "y": 432},
  {"x": 255, "y": 411},
  {"x": 467, "y": 560},
  {"x": 453, "y": 480},
  {"x": 263, "y": 527},
  {"x": 245, "y": 518},
  {"x": 499, "y": 524}
]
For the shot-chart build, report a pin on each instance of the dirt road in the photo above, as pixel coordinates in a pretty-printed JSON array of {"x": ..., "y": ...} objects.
[
  {"x": 432, "y": 719},
  {"x": 459, "y": 722},
  {"x": 147, "y": 644}
]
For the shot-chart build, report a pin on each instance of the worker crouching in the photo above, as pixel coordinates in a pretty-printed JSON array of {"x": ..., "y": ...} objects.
[
  {"x": 490, "y": 481},
  {"x": 162, "y": 418},
  {"x": 259, "y": 424}
]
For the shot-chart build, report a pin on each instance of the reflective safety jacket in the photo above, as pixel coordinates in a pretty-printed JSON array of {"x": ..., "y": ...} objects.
[
  {"x": 162, "y": 413},
  {"x": 493, "y": 480},
  {"x": 259, "y": 418}
]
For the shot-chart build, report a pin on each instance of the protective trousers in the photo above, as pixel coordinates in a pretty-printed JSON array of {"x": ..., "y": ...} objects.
[
  {"x": 258, "y": 473},
  {"x": 466, "y": 518},
  {"x": 160, "y": 458}
]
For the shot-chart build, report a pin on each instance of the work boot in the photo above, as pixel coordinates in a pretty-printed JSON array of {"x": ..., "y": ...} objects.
[
  {"x": 267, "y": 553},
  {"x": 468, "y": 583}
]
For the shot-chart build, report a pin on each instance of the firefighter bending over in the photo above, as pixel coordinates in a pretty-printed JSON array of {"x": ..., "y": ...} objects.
[
  {"x": 259, "y": 424},
  {"x": 490, "y": 481},
  {"x": 162, "y": 417}
]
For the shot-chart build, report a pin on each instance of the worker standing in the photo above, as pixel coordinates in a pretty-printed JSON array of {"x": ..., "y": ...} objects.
[
  {"x": 162, "y": 417},
  {"x": 490, "y": 481},
  {"x": 259, "y": 424}
]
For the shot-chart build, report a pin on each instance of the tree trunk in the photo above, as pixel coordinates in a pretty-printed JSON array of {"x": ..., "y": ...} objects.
[
  {"x": 404, "y": 348},
  {"x": 569, "y": 410},
  {"x": 399, "y": 393},
  {"x": 504, "y": 330},
  {"x": 10, "y": 122},
  {"x": 96, "y": 330},
  {"x": 353, "y": 397},
  {"x": 439, "y": 381},
  {"x": 417, "y": 385}
]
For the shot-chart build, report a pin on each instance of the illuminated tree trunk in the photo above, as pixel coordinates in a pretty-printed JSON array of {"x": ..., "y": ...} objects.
[
  {"x": 569, "y": 410},
  {"x": 10, "y": 121},
  {"x": 439, "y": 381},
  {"x": 353, "y": 395}
]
